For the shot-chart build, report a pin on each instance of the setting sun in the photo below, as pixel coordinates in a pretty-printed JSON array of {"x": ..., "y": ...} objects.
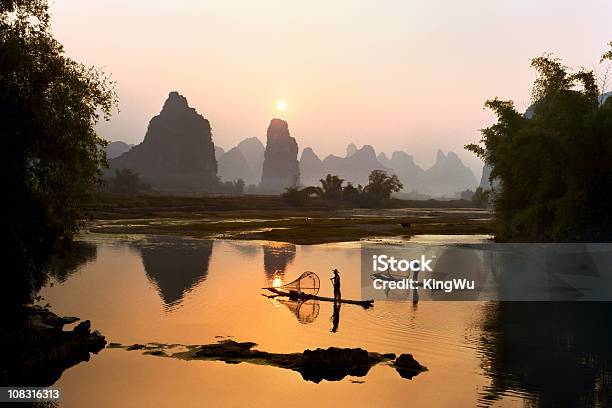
[{"x": 281, "y": 105}]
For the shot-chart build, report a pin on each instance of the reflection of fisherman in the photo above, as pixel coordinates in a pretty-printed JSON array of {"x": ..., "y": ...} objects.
[
  {"x": 336, "y": 317},
  {"x": 336, "y": 282}
]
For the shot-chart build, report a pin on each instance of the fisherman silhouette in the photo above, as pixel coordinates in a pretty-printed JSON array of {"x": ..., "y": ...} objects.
[{"x": 336, "y": 282}]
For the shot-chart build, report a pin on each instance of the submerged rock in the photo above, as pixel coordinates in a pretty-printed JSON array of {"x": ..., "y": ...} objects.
[
  {"x": 331, "y": 364},
  {"x": 407, "y": 366}
]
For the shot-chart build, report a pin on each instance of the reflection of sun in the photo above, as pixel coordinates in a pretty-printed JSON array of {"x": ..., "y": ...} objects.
[
  {"x": 277, "y": 281},
  {"x": 281, "y": 105}
]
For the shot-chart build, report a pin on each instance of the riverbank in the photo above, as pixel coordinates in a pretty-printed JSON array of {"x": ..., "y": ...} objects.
[
  {"x": 35, "y": 349},
  {"x": 268, "y": 218}
]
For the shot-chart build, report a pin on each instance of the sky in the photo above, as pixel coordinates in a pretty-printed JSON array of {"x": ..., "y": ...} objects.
[{"x": 407, "y": 75}]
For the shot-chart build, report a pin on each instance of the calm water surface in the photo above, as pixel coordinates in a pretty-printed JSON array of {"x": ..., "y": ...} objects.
[{"x": 175, "y": 290}]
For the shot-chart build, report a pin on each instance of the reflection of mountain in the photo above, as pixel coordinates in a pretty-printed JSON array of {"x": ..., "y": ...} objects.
[
  {"x": 557, "y": 353},
  {"x": 176, "y": 267},
  {"x": 245, "y": 248},
  {"x": 277, "y": 256},
  {"x": 65, "y": 264}
]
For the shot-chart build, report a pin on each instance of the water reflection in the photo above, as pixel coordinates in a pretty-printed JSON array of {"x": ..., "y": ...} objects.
[
  {"x": 277, "y": 256},
  {"x": 558, "y": 354},
  {"x": 305, "y": 311},
  {"x": 67, "y": 263},
  {"x": 175, "y": 266},
  {"x": 336, "y": 317},
  {"x": 246, "y": 249}
]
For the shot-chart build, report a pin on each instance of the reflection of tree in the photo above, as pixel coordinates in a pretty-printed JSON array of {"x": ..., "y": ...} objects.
[
  {"x": 277, "y": 256},
  {"x": 176, "y": 266},
  {"x": 457, "y": 263},
  {"x": 66, "y": 263},
  {"x": 305, "y": 311},
  {"x": 557, "y": 352}
]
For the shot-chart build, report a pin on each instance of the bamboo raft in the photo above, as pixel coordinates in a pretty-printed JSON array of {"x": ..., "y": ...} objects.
[{"x": 295, "y": 295}]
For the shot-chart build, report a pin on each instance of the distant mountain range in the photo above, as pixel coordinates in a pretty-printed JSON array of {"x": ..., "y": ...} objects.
[
  {"x": 445, "y": 178},
  {"x": 116, "y": 149},
  {"x": 178, "y": 154},
  {"x": 244, "y": 161}
]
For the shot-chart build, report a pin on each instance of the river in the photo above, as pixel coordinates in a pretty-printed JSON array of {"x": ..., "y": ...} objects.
[{"x": 140, "y": 289}]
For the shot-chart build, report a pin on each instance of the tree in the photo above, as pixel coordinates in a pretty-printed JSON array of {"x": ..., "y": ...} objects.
[
  {"x": 379, "y": 188},
  {"x": 294, "y": 196},
  {"x": 125, "y": 181},
  {"x": 331, "y": 187},
  {"x": 481, "y": 197},
  {"x": 554, "y": 165},
  {"x": 239, "y": 186},
  {"x": 382, "y": 185},
  {"x": 50, "y": 152},
  {"x": 351, "y": 193}
]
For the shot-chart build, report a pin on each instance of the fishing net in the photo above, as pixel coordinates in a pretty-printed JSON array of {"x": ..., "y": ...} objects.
[
  {"x": 306, "y": 312},
  {"x": 308, "y": 283}
]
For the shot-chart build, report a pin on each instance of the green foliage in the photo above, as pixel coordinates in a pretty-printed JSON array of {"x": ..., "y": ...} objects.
[
  {"x": 235, "y": 187},
  {"x": 50, "y": 152},
  {"x": 125, "y": 181},
  {"x": 378, "y": 189},
  {"x": 331, "y": 187},
  {"x": 481, "y": 197},
  {"x": 554, "y": 165},
  {"x": 608, "y": 54},
  {"x": 295, "y": 196},
  {"x": 351, "y": 193}
]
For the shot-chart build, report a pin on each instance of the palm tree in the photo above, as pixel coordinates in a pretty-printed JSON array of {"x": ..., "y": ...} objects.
[{"x": 331, "y": 187}]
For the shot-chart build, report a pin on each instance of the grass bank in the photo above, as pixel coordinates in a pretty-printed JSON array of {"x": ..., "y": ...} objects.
[{"x": 269, "y": 218}]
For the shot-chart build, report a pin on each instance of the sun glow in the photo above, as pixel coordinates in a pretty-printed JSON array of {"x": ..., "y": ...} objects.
[
  {"x": 281, "y": 105},
  {"x": 277, "y": 281}
]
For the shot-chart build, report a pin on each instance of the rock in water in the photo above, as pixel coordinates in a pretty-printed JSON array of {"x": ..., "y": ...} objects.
[
  {"x": 280, "y": 168},
  {"x": 407, "y": 366},
  {"x": 177, "y": 153}
]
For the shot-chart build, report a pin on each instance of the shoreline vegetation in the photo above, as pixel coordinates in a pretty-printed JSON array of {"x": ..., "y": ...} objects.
[{"x": 270, "y": 218}]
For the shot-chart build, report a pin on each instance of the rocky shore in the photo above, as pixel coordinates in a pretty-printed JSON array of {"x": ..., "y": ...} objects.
[{"x": 35, "y": 349}]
